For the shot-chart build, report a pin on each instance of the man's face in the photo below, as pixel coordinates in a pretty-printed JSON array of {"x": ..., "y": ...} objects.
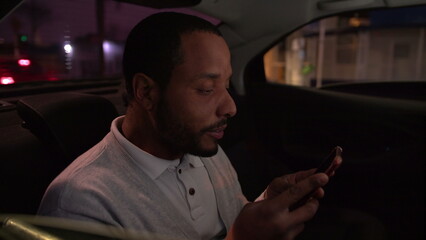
[{"x": 193, "y": 109}]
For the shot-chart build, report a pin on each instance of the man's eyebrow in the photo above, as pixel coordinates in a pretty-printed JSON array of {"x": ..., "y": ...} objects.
[
  {"x": 211, "y": 76},
  {"x": 208, "y": 76}
]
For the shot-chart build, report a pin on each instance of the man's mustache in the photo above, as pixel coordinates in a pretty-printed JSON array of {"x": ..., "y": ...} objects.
[{"x": 219, "y": 124}]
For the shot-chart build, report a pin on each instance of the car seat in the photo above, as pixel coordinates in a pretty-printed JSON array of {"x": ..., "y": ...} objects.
[
  {"x": 69, "y": 123},
  {"x": 50, "y": 131}
]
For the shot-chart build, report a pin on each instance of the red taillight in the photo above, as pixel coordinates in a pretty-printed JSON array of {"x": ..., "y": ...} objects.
[
  {"x": 7, "y": 80},
  {"x": 24, "y": 62}
]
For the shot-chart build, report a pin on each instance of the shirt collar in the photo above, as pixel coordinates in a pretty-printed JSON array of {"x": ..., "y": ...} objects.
[{"x": 150, "y": 164}]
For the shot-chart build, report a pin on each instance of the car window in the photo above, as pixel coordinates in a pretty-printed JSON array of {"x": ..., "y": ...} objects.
[
  {"x": 45, "y": 40},
  {"x": 367, "y": 46}
]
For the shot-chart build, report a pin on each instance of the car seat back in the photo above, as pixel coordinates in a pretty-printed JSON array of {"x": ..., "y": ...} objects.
[{"x": 69, "y": 123}]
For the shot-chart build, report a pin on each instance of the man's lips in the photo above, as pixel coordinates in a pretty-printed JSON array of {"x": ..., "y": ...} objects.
[{"x": 217, "y": 133}]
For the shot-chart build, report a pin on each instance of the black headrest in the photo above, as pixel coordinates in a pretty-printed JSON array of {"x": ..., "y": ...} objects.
[{"x": 69, "y": 123}]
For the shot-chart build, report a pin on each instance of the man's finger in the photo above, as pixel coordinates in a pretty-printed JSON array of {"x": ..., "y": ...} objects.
[
  {"x": 299, "y": 176},
  {"x": 281, "y": 184},
  {"x": 306, "y": 211},
  {"x": 298, "y": 191}
]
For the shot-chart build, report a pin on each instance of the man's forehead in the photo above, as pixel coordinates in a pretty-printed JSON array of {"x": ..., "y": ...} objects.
[
  {"x": 204, "y": 56},
  {"x": 201, "y": 36}
]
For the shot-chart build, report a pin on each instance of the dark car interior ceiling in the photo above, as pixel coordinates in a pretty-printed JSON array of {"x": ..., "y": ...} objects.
[
  {"x": 7, "y": 6},
  {"x": 163, "y": 3}
]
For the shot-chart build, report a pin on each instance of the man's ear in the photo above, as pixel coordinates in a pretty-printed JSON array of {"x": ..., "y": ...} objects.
[{"x": 145, "y": 90}]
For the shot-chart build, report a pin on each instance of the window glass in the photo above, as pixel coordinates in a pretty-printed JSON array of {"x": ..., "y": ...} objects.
[
  {"x": 44, "y": 40},
  {"x": 367, "y": 46}
]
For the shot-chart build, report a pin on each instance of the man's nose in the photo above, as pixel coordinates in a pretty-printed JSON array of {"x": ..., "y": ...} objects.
[{"x": 227, "y": 106}]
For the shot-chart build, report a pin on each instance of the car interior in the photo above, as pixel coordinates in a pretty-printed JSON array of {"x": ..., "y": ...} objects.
[{"x": 279, "y": 128}]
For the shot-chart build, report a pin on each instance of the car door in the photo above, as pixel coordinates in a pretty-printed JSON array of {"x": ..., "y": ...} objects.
[{"x": 382, "y": 128}]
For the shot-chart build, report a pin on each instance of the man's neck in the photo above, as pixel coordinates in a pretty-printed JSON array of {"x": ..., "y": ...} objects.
[{"x": 139, "y": 130}]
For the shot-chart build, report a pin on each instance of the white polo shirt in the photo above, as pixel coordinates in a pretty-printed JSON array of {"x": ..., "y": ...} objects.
[{"x": 184, "y": 181}]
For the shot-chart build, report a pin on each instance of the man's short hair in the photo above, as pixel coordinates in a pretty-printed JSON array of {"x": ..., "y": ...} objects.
[{"x": 153, "y": 46}]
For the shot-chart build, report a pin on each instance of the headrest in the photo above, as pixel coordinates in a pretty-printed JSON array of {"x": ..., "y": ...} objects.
[{"x": 69, "y": 123}]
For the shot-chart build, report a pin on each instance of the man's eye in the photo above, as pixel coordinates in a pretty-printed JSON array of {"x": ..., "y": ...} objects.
[{"x": 205, "y": 91}]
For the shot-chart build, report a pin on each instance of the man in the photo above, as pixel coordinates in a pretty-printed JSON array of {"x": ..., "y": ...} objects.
[{"x": 160, "y": 169}]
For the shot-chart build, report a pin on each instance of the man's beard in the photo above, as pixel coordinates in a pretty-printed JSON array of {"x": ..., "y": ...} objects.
[{"x": 178, "y": 136}]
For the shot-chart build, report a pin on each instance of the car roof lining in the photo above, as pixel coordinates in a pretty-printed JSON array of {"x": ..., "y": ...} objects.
[
  {"x": 7, "y": 7},
  {"x": 163, "y": 3}
]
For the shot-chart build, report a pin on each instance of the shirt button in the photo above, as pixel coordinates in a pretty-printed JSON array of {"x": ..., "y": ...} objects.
[
  {"x": 191, "y": 191},
  {"x": 180, "y": 171}
]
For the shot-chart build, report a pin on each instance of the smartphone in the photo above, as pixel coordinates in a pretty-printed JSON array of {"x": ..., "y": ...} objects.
[
  {"x": 326, "y": 163},
  {"x": 323, "y": 167}
]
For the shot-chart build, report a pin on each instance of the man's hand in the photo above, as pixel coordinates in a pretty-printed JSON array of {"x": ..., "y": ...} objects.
[
  {"x": 271, "y": 218},
  {"x": 281, "y": 184}
]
